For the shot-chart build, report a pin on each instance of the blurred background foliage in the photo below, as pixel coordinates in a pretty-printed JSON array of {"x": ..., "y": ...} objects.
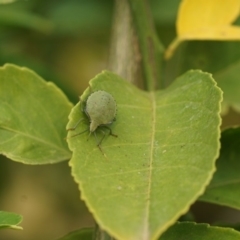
[{"x": 67, "y": 42}]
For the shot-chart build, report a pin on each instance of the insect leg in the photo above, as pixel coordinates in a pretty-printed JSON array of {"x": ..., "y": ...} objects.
[
  {"x": 78, "y": 133},
  {"x": 81, "y": 105},
  {"x": 75, "y": 126},
  {"x": 90, "y": 135},
  {"x": 99, "y": 142},
  {"x": 110, "y": 131}
]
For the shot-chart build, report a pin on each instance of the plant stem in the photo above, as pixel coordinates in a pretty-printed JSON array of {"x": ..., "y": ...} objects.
[
  {"x": 150, "y": 47},
  {"x": 125, "y": 57}
]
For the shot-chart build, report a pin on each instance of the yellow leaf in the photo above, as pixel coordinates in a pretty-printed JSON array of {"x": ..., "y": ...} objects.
[
  {"x": 206, "y": 16},
  {"x": 206, "y": 20}
]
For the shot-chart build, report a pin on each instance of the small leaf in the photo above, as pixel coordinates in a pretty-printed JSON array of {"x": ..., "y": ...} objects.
[
  {"x": 82, "y": 234},
  {"x": 161, "y": 161},
  {"x": 206, "y": 20},
  {"x": 225, "y": 185},
  {"x": 10, "y": 220},
  {"x": 193, "y": 231},
  {"x": 228, "y": 81},
  {"x": 33, "y": 117}
]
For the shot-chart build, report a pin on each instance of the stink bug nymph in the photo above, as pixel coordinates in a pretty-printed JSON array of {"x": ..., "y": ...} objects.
[{"x": 101, "y": 110}]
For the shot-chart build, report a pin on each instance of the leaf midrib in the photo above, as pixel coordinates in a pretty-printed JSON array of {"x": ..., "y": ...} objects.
[{"x": 147, "y": 210}]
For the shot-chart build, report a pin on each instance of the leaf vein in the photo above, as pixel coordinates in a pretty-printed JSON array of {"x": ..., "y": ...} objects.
[{"x": 35, "y": 138}]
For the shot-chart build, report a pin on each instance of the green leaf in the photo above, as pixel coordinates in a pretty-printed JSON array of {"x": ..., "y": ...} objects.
[
  {"x": 83, "y": 234},
  {"x": 10, "y": 220},
  {"x": 225, "y": 185},
  {"x": 161, "y": 161},
  {"x": 6, "y": 1},
  {"x": 228, "y": 80},
  {"x": 11, "y": 16},
  {"x": 33, "y": 117},
  {"x": 193, "y": 231},
  {"x": 89, "y": 16},
  {"x": 207, "y": 55}
]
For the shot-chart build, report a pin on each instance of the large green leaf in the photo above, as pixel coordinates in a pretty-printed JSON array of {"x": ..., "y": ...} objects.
[
  {"x": 33, "y": 117},
  {"x": 10, "y": 220},
  {"x": 161, "y": 161},
  {"x": 224, "y": 188},
  {"x": 193, "y": 231}
]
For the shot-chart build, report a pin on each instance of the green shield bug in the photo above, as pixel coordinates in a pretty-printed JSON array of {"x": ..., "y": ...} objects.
[{"x": 101, "y": 110}]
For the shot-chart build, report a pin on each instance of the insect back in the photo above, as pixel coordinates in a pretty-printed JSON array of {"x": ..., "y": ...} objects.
[{"x": 101, "y": 109}]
